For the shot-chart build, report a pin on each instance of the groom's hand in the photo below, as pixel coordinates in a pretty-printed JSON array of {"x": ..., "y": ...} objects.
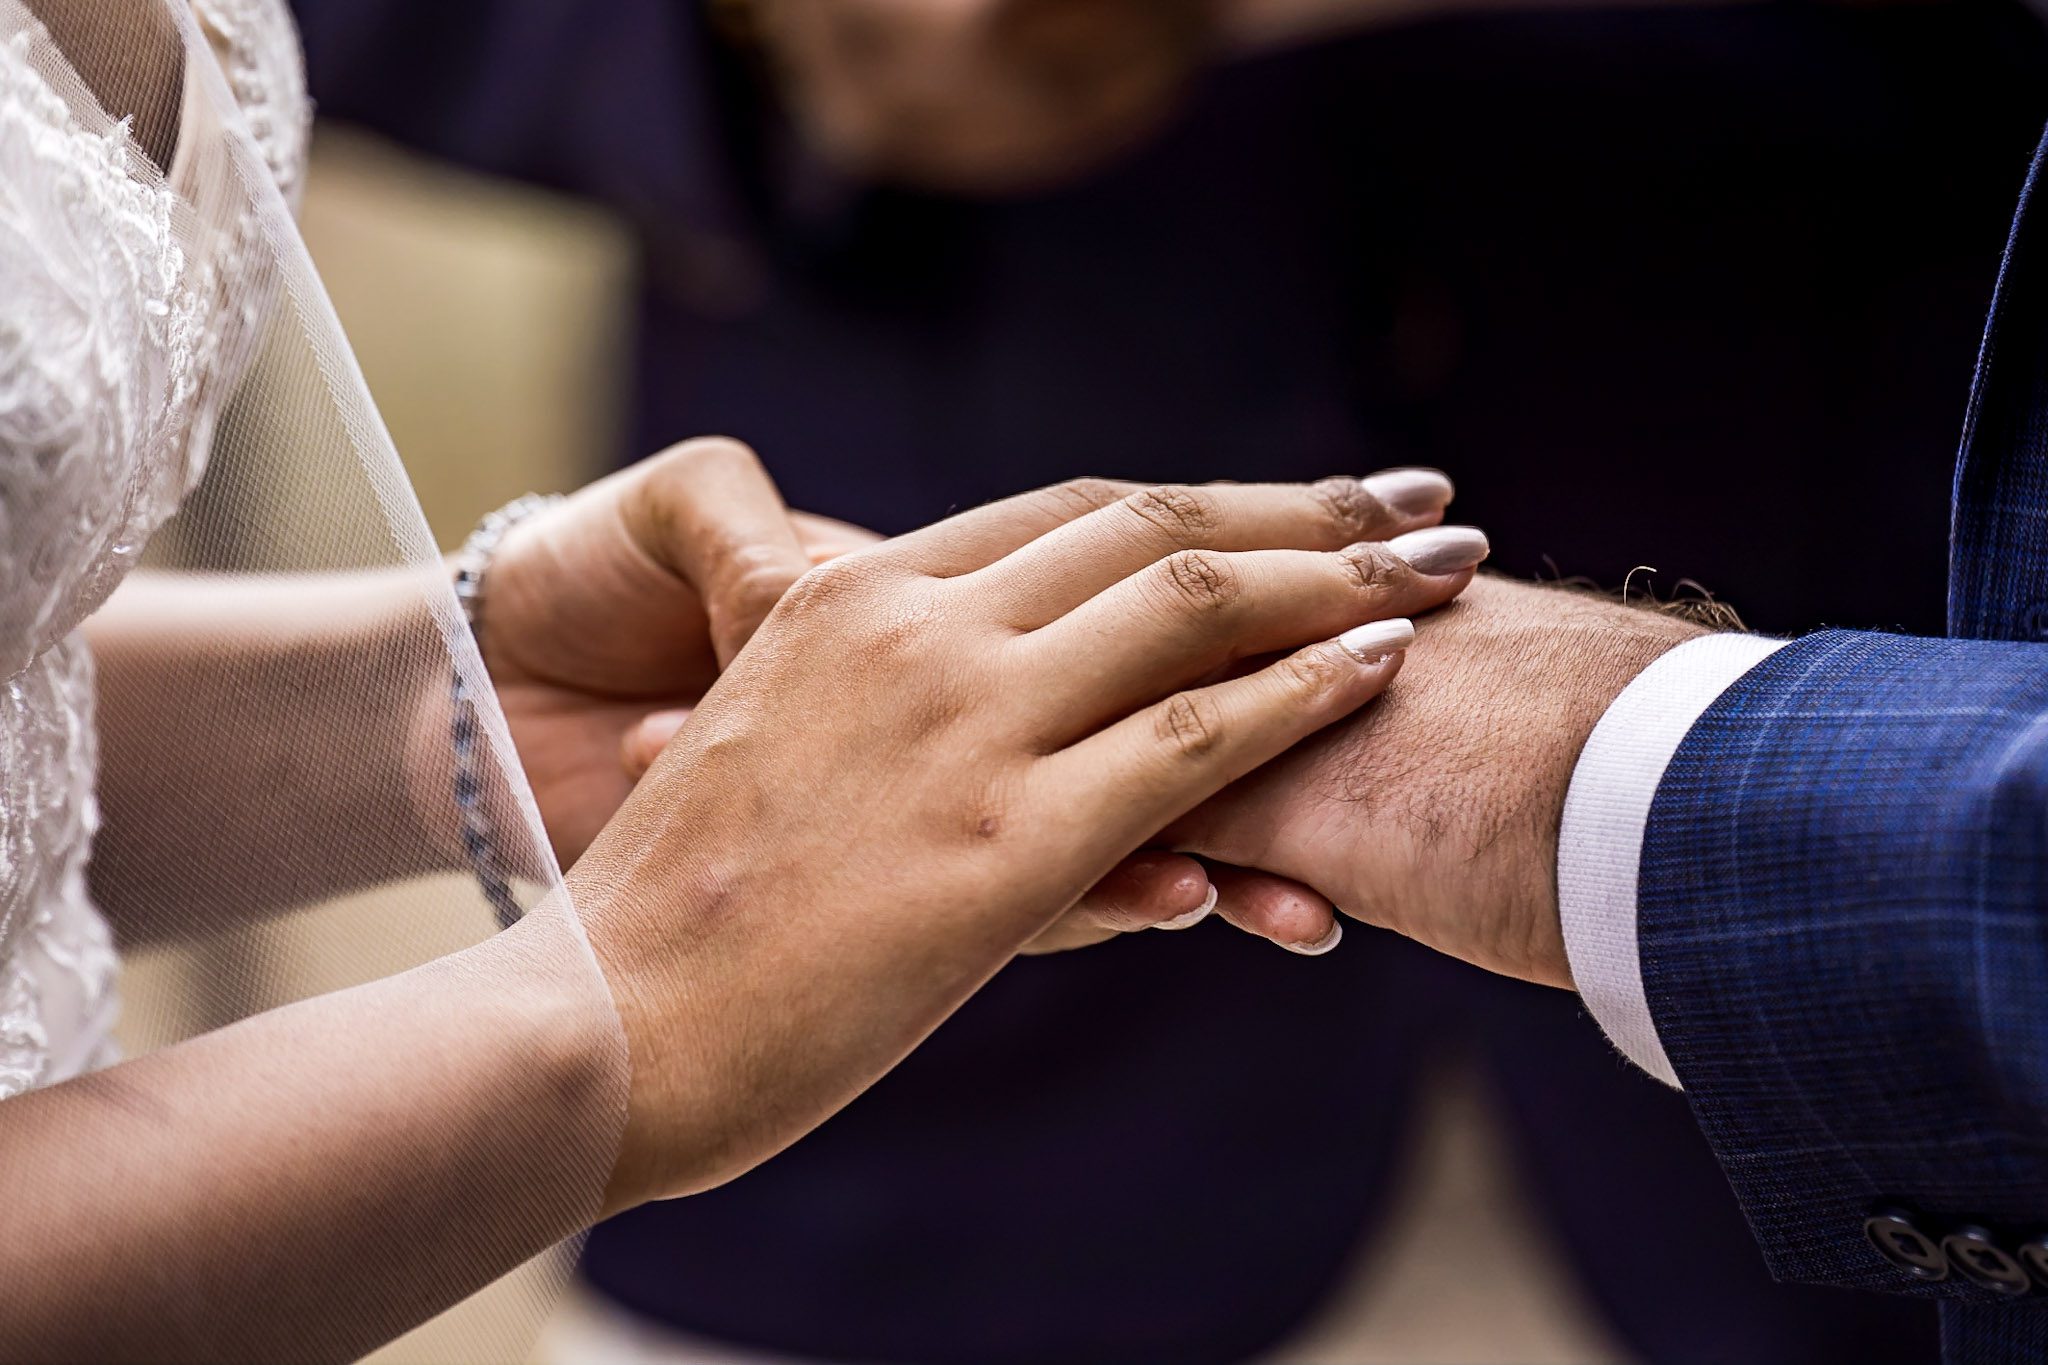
[{"x": 1435, "y": 811}]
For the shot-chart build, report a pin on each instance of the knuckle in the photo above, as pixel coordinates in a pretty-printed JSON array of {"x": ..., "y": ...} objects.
[
  {"x": 669, "y": 489},
  {"x": 1349, "y": 508},
  {"x": 827, "y": 587},
  {"x": 1202, "y": 579},
  {"x": 1310, "y": 673},
  {"x": 1078, "y": 497},
  {"x": 1186, "y": 515},
  {"x": 1190, "y": 726},
  {"x": 1371, "y": 566},
  {"x": 701, "y": 451},
  {"x": 656, "y": 516}
]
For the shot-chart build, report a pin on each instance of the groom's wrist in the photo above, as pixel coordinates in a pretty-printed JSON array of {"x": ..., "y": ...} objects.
[
  {"x": 1597, "y": 667},
  {"x": 1469, "y": 760}
]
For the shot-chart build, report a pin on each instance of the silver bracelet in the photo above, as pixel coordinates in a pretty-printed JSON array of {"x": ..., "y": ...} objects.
[{"x": 472, "y": 562}]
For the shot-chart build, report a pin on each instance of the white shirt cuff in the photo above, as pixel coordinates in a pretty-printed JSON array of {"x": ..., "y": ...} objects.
[{"x": 1600, "y": 845}]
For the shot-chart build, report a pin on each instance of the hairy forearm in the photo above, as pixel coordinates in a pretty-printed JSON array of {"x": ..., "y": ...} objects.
[
  {"x": 311, "y": 1182},
  {"x": 262, "y": 744},
  {"x": 1436, "y": 811}
]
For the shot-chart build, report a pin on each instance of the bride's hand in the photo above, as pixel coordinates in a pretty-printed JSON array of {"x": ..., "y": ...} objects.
[
  {"x": 608, "y": 617},
  {"x": 927, "y": 754},
  {"x": 623, "y": 604}
]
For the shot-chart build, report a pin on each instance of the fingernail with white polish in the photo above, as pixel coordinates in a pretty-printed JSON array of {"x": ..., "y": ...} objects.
[
  {"x": 1375, "y": 640},
  {"x": 1192, "y": 917},
  {"x": 1321, "y": 945},
  {"x": 1441, "y": 549},
  {"x": 1411, "y": 492}
]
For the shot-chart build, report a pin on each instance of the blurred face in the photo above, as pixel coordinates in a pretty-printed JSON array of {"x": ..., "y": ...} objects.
[{"x": 982, "y": 95}]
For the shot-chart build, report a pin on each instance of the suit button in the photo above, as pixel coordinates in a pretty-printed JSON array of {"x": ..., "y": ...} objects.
[
  {"x": 2035, "y": 1254},
  {"x": 1972, "y": 1251},
  {"x": 1899, "y": 1240}
]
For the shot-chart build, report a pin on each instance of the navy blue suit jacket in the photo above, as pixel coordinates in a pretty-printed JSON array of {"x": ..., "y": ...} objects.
[{"x": 1843, "y": 909}]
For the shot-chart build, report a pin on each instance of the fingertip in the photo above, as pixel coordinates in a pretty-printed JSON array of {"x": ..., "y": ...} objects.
[
  {"x": 1375, "y": 660},
  {"x": 1168, "y": 890},
  {"x": 1441, "y": 591},
  {"x": 1151, "y": 889},
  {"x": 641, "y": 745},
  {"x": 1413, "y": 493},
  {"x": 1195, "y": 916},
  {"x": 1376, "y": 641},
  {"x": 1277, "y": 909},
  {"x": 1440, "y": 551},
  {"x": 1318, "y": 946},
  {"x": 1298, "y": 921},
  {"x": 1385, "y": 669},
  {"x": 1373, "y": 675}
]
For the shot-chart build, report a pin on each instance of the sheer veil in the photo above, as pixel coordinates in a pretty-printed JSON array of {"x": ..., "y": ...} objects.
[{"x": 292, "y": 826}]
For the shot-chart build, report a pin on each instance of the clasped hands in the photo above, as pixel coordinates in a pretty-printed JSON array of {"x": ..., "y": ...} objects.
[{"x": 774, "y": 749}]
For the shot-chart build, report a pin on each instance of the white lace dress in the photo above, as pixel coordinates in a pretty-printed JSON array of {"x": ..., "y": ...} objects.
[{"x": 113, "y": 366}]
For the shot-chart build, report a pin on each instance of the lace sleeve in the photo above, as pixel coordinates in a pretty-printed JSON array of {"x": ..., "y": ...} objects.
[{"x": 97, "y": 333}]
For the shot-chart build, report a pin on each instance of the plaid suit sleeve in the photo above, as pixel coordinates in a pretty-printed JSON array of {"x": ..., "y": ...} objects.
[{"x": 1843, "y": 923}]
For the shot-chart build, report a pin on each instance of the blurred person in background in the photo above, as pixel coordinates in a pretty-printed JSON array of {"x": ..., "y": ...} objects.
[{"x": 992, "y": 243}]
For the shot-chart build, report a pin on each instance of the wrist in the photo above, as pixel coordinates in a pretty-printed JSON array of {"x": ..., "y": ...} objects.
[
  {"x": 1499, "y": 698},
  {"x": 536, "y": 993},
  {"x": 684, "y": 1109}
]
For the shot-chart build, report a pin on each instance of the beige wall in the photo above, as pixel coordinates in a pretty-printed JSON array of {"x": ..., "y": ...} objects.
[{"x": 489, "y": 320}]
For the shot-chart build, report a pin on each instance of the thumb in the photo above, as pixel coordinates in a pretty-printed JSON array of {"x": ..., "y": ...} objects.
[
  {"x": 642, "y": 744},
  {"x": 708, "y": 511}
]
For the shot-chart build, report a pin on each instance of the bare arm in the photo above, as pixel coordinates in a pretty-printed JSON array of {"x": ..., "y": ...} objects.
[
  {"x": 309, "y": 1183},
  {"x": 239, "y": 714}
]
